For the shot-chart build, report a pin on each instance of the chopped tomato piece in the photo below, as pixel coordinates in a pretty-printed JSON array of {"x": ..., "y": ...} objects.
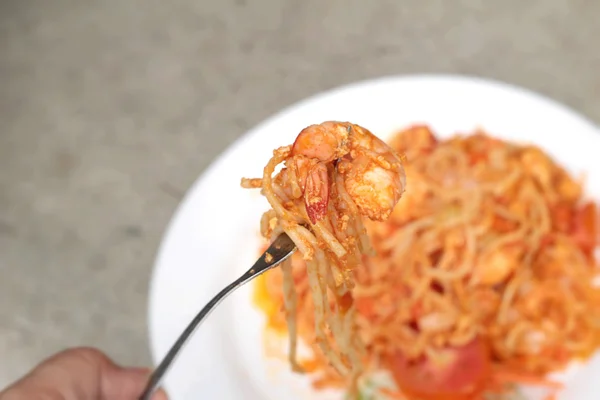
[
  {"x": 585, "y": 227},
  {"x": 562, "y": 216},
  {"x": 345, "y": 302},
  {"x": 475, "y": 158},
  {"x": 460, "y": 374},
  {"x": 365, "y": 306},
  {"x": 503, "y": 225}
]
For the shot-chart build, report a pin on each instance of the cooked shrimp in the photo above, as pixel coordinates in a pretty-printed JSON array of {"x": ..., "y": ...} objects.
[
  {"x": 373, "y": 173},
  {"x": 495, "y": 266}
]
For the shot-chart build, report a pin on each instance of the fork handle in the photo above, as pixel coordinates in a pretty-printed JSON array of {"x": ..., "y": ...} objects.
[
  {"x": 281, "y": 248},
  {"x": 160, "y": 371}
]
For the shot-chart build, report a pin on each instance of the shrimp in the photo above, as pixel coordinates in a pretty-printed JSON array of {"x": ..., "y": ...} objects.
[{"x": 373, "y": 173}]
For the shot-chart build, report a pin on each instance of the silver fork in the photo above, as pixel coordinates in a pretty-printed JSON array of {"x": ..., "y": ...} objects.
[{"x": 281, "y": 248}]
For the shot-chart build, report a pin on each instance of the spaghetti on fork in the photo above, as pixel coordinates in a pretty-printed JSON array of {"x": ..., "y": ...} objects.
[{"x": 334, "y": 174}]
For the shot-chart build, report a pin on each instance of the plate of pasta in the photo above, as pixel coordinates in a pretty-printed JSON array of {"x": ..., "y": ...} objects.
[{"x": 447, "y": 232}]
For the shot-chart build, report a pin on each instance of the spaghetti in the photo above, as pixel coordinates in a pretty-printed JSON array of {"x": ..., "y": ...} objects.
[{"x": 481, "y": 279}]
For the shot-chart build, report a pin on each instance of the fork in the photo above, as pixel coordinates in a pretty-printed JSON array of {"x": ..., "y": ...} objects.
[{"x": 281, "y": 248}]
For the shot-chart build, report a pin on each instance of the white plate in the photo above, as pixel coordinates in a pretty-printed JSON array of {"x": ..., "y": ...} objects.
[{"x": 213, "y": 236}]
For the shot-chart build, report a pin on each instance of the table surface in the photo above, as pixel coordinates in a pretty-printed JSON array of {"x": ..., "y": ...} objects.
[{"x": 109, "y": 112}]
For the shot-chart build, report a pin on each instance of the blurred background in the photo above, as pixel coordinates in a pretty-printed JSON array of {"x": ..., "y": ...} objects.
[{"x": 109, "y": 110}]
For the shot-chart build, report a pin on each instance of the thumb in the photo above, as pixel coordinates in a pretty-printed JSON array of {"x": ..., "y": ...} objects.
[
  {"x": 127, "y": 384},
  {"x": 82, "y": 373}
]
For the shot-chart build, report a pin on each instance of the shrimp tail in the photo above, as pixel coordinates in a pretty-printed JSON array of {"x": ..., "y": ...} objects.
[{"x": 316, "y": 193}]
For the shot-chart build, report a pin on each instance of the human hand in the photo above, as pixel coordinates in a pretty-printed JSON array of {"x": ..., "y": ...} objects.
[{"x": 80, "y": 374}]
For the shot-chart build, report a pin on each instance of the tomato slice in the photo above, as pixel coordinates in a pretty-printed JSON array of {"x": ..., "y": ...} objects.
[
  {"x": 585, "y": 227},
  {"x": 461, "y": 373}
]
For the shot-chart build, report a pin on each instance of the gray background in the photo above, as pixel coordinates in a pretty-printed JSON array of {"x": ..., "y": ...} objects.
[{"x": 110, "y": 109}]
